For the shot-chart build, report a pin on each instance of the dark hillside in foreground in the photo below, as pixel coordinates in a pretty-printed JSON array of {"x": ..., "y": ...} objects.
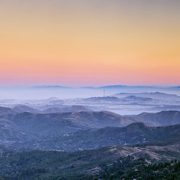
[{"x": 86, "y": 164}]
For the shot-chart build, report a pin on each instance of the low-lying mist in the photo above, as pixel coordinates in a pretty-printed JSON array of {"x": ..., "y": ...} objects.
[{"x": 124, "y": 100}]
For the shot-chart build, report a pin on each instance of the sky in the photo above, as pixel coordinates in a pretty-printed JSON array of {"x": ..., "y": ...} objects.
[{"x": 89, "y": 42}]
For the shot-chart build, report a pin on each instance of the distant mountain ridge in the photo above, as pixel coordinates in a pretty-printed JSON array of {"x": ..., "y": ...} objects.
[
  {"x": 111, "y": 86},
  {"x": 163, "y": 118},
  {"x": 86, "y": 129}
]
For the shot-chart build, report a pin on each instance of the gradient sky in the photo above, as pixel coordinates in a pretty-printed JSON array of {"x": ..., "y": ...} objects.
[{"x": 90, "y": 42}]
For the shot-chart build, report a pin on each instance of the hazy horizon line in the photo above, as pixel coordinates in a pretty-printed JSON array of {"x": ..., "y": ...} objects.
[{"x": 87, "y": 86}]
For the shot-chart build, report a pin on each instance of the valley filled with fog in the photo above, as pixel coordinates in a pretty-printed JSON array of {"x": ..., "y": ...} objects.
[{"x": 124, "y": 100}]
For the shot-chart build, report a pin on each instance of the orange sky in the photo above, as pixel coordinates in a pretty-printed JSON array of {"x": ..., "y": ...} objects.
[{"x": 89, "y": 42}]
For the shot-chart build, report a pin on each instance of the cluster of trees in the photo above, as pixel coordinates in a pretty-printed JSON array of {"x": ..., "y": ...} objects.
[
  {"x": 139, "y": 169},
  {"x": 64, "y": 166}
]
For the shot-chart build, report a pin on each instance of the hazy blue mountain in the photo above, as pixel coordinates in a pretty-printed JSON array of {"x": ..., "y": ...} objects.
[
  {"x": 45, "y": 136},
  {"x": 164, "y": 118},
  {"x": 154, "y": 95},
  {"x": 5, "y": 110},
  {"x": 133, "y": 134},
  {"x": 102, "y": 99},
  {"x": 136, "y": 99},
  {"x": 85, "y": 129},
  {"x": 24, "y": 108},
  {"x": 65, "y": 108}
]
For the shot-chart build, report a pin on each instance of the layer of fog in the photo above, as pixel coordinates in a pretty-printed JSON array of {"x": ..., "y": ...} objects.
[
  {"x": 29, "y": 93},
  {"x": 61, "y": 97}
]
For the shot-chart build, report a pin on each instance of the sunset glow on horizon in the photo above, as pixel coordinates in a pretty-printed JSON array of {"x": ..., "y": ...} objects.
[{"x": 81, "y": 42}]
